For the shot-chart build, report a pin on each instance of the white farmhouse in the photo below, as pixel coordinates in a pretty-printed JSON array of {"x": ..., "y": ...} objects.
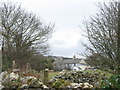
[{"x": 69, "y": 64}]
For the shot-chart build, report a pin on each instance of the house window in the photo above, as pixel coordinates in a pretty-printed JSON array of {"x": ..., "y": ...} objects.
[
  {"x": 74, "y": 64},
  {"x": 68, "y": 65}
]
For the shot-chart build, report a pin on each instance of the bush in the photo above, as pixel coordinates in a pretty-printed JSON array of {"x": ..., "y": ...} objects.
[{"x": 112, "y": 82}]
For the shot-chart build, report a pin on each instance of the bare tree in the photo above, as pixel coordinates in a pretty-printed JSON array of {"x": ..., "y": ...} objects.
[
  {"x": 23, "y": 32},
  {"x": 102, "y": 33}
]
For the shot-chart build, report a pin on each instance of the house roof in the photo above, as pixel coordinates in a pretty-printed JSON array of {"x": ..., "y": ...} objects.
[
  {"x": 82, "y": 62},
  {"x": 67, "y": 61}
]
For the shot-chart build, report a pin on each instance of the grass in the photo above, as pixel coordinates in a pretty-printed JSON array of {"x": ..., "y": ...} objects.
[{"x": 52, "y": 74}]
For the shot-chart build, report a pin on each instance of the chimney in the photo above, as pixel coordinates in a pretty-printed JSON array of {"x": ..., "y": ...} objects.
[{"x": 74, "y": 57}]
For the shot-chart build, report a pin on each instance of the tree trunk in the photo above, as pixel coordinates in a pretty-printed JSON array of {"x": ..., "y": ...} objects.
[{"x": 118, "y": 41}]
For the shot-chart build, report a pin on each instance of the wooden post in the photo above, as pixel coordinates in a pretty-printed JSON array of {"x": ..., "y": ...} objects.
[
  {"x": 99, "y": 78},
  {"x": 28, "y": 66},
  {"x": 13, "y": 64},
  {"x": 46, "y": 74}
]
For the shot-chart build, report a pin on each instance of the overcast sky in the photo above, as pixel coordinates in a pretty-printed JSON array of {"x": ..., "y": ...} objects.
[{"x": 68, "y": 16}]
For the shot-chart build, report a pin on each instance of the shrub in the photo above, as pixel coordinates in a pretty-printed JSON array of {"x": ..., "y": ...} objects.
[{"x": 112, "y": 82}]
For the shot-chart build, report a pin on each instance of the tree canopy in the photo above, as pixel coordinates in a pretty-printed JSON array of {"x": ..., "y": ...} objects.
[
  {"x": 23, "y": 33},
  {"x": 102, "y": 33}
]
